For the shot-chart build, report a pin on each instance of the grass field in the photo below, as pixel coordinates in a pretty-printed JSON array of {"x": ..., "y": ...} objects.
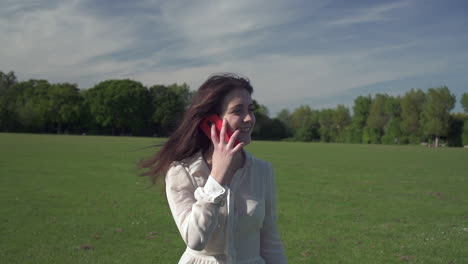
[{"x": 78, "y": 199}]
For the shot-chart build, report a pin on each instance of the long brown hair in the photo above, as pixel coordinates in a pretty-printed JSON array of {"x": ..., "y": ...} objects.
[{"x": 188, "y": 138}]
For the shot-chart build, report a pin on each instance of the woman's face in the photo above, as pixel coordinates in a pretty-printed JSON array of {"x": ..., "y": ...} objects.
[{"x": 237, "y": 108}]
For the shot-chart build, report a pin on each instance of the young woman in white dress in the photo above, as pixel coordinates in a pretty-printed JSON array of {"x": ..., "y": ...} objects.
[{"x": 223, "y": 199}]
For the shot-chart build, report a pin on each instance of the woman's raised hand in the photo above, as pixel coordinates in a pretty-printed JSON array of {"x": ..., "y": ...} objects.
[{"x": 223, "y": 154}]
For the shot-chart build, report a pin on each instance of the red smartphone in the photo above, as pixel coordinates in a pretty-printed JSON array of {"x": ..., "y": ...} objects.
[{"x": 218, "y": 122}]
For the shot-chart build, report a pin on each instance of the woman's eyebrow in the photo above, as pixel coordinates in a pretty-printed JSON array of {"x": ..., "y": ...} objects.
[{"x": 237, "y": 106}]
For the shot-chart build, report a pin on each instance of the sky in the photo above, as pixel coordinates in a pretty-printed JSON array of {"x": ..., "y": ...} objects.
[{"x": 295, "y": 52}]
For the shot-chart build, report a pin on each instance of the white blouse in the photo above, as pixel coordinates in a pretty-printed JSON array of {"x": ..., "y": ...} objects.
[{"x": 230, "y": 224}]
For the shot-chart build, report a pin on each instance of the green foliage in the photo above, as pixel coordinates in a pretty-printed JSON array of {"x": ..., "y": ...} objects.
[
  {"x": 299, "y": 117},
  {"x": 464, "y": 102},
  {"x": 361, "y": 111},
  {"x": 411, "y": 111},
  {"x": 378, "y": 115},
  {"x": 465, "y": 133},
  {"x": 356, "y": 135},
  {"x": 371, "y": 136},
  {"x": 393, "y": 107},
  {"x": 342, "y": 124},
  {"x": 392, "y": 132},
  {"x": 168, "y": 104},
  {"x": 436, "y": 111},
  {"x": 285, "y": 117},
  {"x": 309, "y": 131},
  {"x": 32, "y": 105},
  {"x": 64, "y": 104},
  {"x": 8, "y": 97},
  {"x": 327, "y": 128},
  {"x": 305, "y": 124},
  {"x": 260, "y": 109},
  {"x": 126, "y": 107},
  {"x": 455, "y": 130},
  {"x": 267, "y": 128},
  {"x": 118, "y": 104},
  {"x": 270, "y": 129}
]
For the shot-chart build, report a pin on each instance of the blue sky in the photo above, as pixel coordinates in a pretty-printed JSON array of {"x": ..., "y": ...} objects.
[{"x": 320, "y": 53}]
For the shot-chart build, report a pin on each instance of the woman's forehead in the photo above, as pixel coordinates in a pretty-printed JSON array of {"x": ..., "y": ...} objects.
[{"x": 238, "y": 96}]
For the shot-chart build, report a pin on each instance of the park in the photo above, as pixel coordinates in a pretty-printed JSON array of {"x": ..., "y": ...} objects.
[{"x": 80, "y": 199}]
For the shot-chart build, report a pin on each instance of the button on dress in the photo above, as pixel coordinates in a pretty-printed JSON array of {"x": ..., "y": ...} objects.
[{"x": 225, "y": 224}]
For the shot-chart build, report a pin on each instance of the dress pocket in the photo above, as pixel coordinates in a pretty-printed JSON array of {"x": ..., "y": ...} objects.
[{"x": 251, "y": 214}]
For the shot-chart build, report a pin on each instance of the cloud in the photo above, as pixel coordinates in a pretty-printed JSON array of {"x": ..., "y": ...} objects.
[
  {"x": 59, "y": 40},
  {"x": 282, "y": 80},
  {"x": 291, "y": 50},
  {"x": 376, "y": 13}
]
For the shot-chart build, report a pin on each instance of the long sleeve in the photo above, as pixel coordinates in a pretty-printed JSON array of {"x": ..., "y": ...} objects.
[
  {"x": 271, "y": 248},
  {"x": 195, "y": 209}
]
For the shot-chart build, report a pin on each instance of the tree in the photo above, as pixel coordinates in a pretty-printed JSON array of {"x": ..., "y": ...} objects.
[
  {"x": 327, "y": 129},
  {"x": 309, "y": 131},
  {"x": 271, "y": 129},
  {"x": 436, "y": 112},
  {"x": 7, "y": 80},
  {"x": 168, "y": 104},
  {"x": 8, "y": 96},
  {"x": 392, "y": 131},
  {"x": 305, "y": 124},
  {"x": 412, "y": 105},
  {"x": 455, "y": 129},
  {"x": 341, "y": 124},
  {"x": 64, "y": 104},
  {"x": 464, "y": 102},
  {"x": 32, "y": 105},
  {"x": 361, "y": 110},
  {"x": 377, "y": 118},
  {"x": 285, "y": 117},
  {"x": 465, "y": 133},
  {"x": 118, "y": 104},
  {"x": 262, "y": 120}
]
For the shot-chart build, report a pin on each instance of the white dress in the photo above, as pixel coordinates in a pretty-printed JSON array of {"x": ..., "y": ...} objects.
[{"x": 221, "y": 224}]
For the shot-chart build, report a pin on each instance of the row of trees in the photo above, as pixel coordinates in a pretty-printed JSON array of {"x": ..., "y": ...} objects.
[
  {"x": 413, "y": 118},
  {"x": 116, "y": 107},
  {"x": 126, "y": 107}
]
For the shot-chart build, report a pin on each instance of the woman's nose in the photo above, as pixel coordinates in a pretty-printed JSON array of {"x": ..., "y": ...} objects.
[{"x": 248, "y": 118}]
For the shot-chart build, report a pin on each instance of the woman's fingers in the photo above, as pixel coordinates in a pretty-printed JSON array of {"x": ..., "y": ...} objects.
[
  {"x": 214, "y": 137},
  {"x": 238, "y": 147},
  {"x": 233, "y": 138},
  {"x": 222, "y": 135}
]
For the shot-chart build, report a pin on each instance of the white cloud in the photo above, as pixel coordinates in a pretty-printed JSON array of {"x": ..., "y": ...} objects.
[
  {"x": 59, "y": 41},
  {"x": 186, "y": 41},
  {"x": 370, "y": 14},
  {"x": 280, "y": 79}
]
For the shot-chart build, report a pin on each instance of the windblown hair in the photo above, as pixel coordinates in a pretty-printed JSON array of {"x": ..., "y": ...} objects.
[{"x": 188, "y": 138}]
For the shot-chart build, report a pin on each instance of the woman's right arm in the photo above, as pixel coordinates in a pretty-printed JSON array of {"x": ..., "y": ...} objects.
[{"x": 195, "y": 210}]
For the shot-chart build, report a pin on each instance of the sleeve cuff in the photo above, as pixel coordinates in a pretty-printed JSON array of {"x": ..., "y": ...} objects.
[
  {"x": 212, "y": 187},
  {"x": 212, "y": 192}
]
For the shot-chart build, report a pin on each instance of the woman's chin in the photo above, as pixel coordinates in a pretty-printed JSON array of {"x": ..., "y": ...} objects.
[{"x": 245, "y": 139}]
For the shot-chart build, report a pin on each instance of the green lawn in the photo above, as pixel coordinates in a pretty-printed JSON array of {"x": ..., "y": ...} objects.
[{"x": 78, "y": 199}]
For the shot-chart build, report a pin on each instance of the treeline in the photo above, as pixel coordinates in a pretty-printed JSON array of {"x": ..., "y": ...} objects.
[
  {"x": 112, "y": 107},
  {"x": 413, "y": 118},
  {"x": 126, "y": 107}
]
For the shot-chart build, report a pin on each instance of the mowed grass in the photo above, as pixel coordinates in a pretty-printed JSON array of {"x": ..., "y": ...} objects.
[{"x": 79, "y": 199}]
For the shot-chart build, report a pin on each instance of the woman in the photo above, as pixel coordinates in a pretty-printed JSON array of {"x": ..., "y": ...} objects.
[{"x": 222, "y": 199}]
